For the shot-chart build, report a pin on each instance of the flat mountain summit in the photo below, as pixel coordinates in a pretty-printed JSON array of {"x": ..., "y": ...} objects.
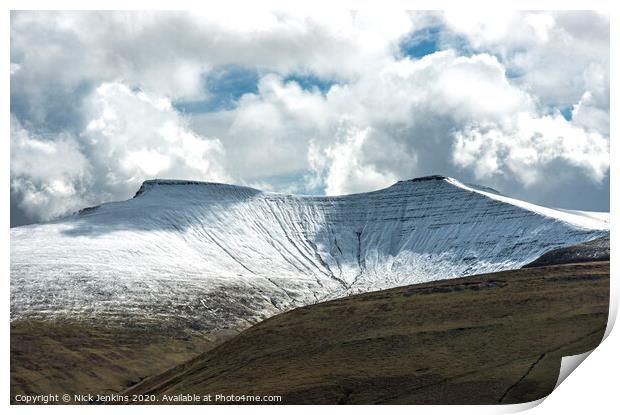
[{"x": 209, "y": 256}]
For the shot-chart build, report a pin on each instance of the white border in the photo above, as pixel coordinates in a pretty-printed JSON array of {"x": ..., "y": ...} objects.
[{"x": 591, "y": 389}]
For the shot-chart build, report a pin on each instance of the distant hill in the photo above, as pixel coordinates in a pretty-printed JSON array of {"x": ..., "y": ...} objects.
[{"x": 595, "y": 250}]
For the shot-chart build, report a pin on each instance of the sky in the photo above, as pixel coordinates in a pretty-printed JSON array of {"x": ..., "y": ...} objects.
[{"x": 321, "y": 104}]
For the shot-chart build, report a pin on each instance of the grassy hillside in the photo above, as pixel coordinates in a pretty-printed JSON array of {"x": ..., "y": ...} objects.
[
  {"x": 493, "y": 338},
  {"x": 86, "y": 357}
]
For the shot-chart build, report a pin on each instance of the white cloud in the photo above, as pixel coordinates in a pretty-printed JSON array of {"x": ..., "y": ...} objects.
[
  {"x": 268, "y": 133},
  {"x": 49, "y": 176},
  {"x": 344, "y": 167},
  {"x": 525, "y": 148},
  {"x": 552, "y": 52},
  {"x": 131, "y": 136},
  {"x": 501, "y": 29},
  {"x": 282, "y": 119},
  {"x": 102, "y": 84},
  {"x": 167, "y": 53},
  {"x": 444, "y": 114},
  {"x": 592, "y": 110}
]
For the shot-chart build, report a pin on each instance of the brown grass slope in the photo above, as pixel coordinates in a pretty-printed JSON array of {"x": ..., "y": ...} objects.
[
  {"x": 81, "y": 357},
  {"x": 485, "y": 339}
]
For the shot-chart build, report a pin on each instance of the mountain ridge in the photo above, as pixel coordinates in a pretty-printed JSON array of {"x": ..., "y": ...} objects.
[
  {"x": 485, "y": 190},
  {"x": 214, "y": 256}
]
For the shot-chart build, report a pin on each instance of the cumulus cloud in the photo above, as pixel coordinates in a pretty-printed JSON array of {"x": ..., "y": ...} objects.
[
  {"x": 169, "y": 52},
  {"x": 525, "y": 148},
  {"x": 49, "y": 176},
  {"x": 518, "y": 101},
  {"x": 555, "y": 55},
  {"x": 444, "y": 113},
  {"x": 405, "y": 107},
  {"x": 342, "y": 167},
  {"x": 131, "y": 136}
]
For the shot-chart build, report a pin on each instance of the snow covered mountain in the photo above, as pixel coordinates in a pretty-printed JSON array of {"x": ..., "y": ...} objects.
[{"x": 209, "y": 256}]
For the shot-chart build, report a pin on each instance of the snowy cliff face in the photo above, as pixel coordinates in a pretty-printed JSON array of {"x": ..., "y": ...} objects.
[{"x": 211, "y": 256}]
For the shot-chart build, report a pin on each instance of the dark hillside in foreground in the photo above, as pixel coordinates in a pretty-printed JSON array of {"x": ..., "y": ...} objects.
[{"x": 485, "y": 339}]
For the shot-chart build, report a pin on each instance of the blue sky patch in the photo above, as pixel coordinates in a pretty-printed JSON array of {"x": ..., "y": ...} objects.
[
  {"x": 512, "y": 72},
  {"x": 567, "y": 113},
  {"x": 224, "y": 87},
  {"x": 421, "y": 43}
]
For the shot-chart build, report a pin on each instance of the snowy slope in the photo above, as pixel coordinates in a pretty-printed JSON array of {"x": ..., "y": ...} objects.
[{"x": 210, "y": 255}]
